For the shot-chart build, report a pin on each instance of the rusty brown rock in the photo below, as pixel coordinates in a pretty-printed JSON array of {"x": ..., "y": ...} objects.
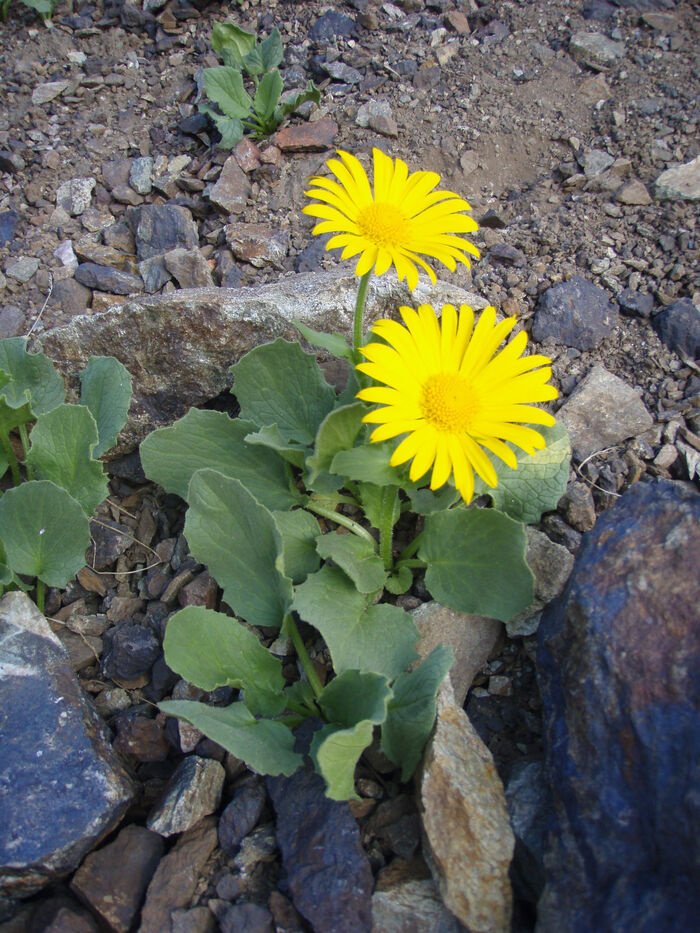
[
  {"x": 230, "y": 193},
  {"x": 307, "y": 137}
]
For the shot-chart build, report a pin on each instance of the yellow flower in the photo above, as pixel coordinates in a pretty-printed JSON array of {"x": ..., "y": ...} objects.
[
  {"x": 451, "y": 396},
  {"x": 391, "y": 225}
]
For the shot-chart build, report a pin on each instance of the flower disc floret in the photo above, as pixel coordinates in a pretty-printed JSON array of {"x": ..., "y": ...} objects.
[
  {"x": 454, "y": 397},
  {"x": 395, "y": 222}
]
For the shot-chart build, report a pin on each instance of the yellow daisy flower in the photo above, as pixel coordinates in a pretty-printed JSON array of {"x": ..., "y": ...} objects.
[
  {"x": 451, "y": 396},
  {"x": 391, "y": 225}
]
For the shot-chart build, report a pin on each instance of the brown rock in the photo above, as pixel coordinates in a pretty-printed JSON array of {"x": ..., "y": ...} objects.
[
  {"x": 141, "y": 738},
  {"x": 83, "y": 650},
  {"x": 202, "y": 591},
  {"x": 594, "y": 89},
  {"x": 469, "y": 842},
  {"x": 247, "y": 154},
  {"x": 113, "y": 880},
  {"x": 231, "y": 191},
  {"x": 634, "y": 193},
  {"x": 176, "y": 877},
  {"x": 456, "y": 21},
  {"x": 257, "y": 244},
  {"x": 189, "y": 267},
  {"x": 307, "y": 137},
  {"x": 406, "y": 900},
  {"x": 69, "y": 921},
  {"x": 471, "y": 637}
]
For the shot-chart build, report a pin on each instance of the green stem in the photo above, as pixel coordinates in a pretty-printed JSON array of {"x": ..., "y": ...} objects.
[
  {"x": 24, "y": 437},
  {"x": 303, "y": 655},
  {"x": 11, "y": 459},
  {"x": 357, "y": 329},
  {"x": 409, "y": 563},
  {"x": 40, "y": 593},
  {"x": 386, "y": 525},
  {"x": 409, "y": 551},
  {"x": 340, "y": 519}
]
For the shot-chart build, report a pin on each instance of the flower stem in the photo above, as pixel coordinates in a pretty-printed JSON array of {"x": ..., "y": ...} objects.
[
  {"x": 386, "y": 525},
  {"x": 357, "y": 329},
  {"x": 11, "y": 459},
  {"x": 409, "y": 551},
  {"x": 40, "y": 592},
  {"x": 340, "y": 519},
  {"x": 25, "y": 447},
  {"x": 303, "y": 655}
]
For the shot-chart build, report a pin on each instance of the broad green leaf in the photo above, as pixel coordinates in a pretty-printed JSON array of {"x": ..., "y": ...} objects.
[
  {"x": 4, "y": 463},
  {"x": 353, "y": 696},
  {"x": 224, "y": 86},
  {"x": 6, "y": 574},
  {"x": 277, "y": 383},
  {"x": 367, "y": 464},
  {"x": 291, "y": 103},
  {"x": 44, "y": 8},
  {"x": 266, "y": 746},
  {"x": 424, "y": 501},
  {"x": 45, "y": 532},
  {"x": 335, "y": 753},
  {"x": 233, "y": 37},
  {"x": 63, "y": 440},
  {"x": 376, "y": 638},
  {"x": 267, "y": 94},
  {"x": 253, "y": 62},
  {"x": 32, "y": 386},
  {"x": 271, "y": 50},
  {"x": 230, "y": 129},
  {"x": 338, "y": 431},
  {"x": 299, "y": 530},
  {"x": 335, "y": 344},
  {"x": 476, "y": 562},
  {"x": 270, "y": 436},
  {"x": 106, "y": 391},
  {"x": 210, "y": 650},
  {"x": 356, "y": 556},
  {"x": 399, "y": 582},
  {"x": 411, "y": 712},
  {"x": 539, "y": 481},
  {"x": 300, "y": 698},
  {"x": 237, "y": 538},
  {"x": 372, "y": 499},
  {"x": 210, "y": 439}
]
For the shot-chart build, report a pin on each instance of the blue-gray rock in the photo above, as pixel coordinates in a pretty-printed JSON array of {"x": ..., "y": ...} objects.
[
  {"x": 632, "y": 302},
  {"x": 247, "y": 918},
  {"x": 241, "y": 815},
  {"x": 158, "y": 228},
  {"x": 331, "y": 25},
  {"x": 327, "y": 871},
  {"x": 506, "y": 255},
  {"x": 61, "y": 787},
  {"x": 11, "y": 162},
  {"x": 678, "y": 326},
  {"x": 107, "y": 279},
  {"x": 529, "y": 801},
  {"x": 575, "y": 313},
  {"x": 8, "y": 225},
  {"x": 154, "y": 274},
  {"x": 618, "y": 657},
  {"x": 130, "y": 650},
  {"x": 193, "y": 792}
]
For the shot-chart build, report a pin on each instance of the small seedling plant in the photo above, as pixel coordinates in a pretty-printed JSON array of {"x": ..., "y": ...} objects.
[
  {"x": 233, "y": 110},
  {"x": 44, "y": 8},
  {"x": 50, "y": 450}
]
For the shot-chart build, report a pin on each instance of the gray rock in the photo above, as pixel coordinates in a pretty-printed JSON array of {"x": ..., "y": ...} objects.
[
  {"x": 678, "y": 325},
  {"x": 158, "y": 228},
  {"x": 595, "y": 162},
  {"x": 617, "y": 666},
  {"x": 602, "y": 411},
  {"x": 257, "y": 244},
  {"x": 43, "y": 93},
  {"x": 140, "y": 175},
  {"x": 191, "y": 337},
  {"x": 247, "y": 918},
  {"x": 62, "y": 788},
  {"x": 578, "y": 507},
  {"x": 11, "y": 321},
  {"x": 405, "y": 901},
  {"x": 74, "y": 196},
  {"x": 633, "y": 302},
  {"x": 196, "y": 920},
  {"x": 241, "y": 815},
  {"x": 189, "y": 268},
  {"x": 193, "y": 792},
  {"x": 529, "y": 800},
  {"x": 107, "y": 279},
  {"x": 575, "y": 313},
  {"x": 468, "y": 839},
  {"x": 23, "y": 268},
  {"x": 11, "y": 162},
  {"x": 471, "y": 637},
  {"x": 232, "y": 189},
  {"x": 154, "y": 274},
  {"x": 595, "y": 50},
  {"x": 377, "y": 115},
  {"x": 681, "y": 183},
  {"x": 8, "y": 225},
  {"x": 130, "y": 651},
  {"x": 339, "y": 71},
  {"x": 634, "y": 193},
  {"x": 551, "y": 564}
]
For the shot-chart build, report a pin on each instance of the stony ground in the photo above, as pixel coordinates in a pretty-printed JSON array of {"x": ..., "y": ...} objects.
[{"x": 557, "y": 144}]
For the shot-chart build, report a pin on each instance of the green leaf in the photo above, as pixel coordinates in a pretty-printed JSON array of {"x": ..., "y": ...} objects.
[
  {"x": 367, "y": 464},
  {"x": 30, "y": 385},
  {"x": 230, "y": 129},
  {"x": 6, "y": 575},
  {"x": 45, "y": 532},
  {"x": 371, "y": 499},
  {"x": 335, "y": 753},
  {"x": 476, "y": 562},
  {"x": 266, "y": 746},
  {"x": 270, "y": 436},
  {"x": 63, "y": 440},
  {"x": 377, "y": 638},
  {"x": 399, "y": 582},
  {"x": 253, "y": 62},
  {"x": 271, "y": 50},
  {"x": 210, "y": 439},
  {"x": 228, "y": 35},
  {"x": 210, "y": 650},
  {"x": 224, "y": 86},
  {"x": 44, "y": 8},
  {"x": 299, "y": 530},
  {"x": 539, "y": 481},
  {"x": 411, "y": 712},
  {"x": 335, "y": 344},
  {"x": 356, "y": 556},
  {"x": 300, "y": 698},
  {"x": 425, "y": 501},
  {"x": 267, "y": 94},
  {"x": 292, "y": 103},
  {"x": 277, "y": 383},
  {"x": 353, "y": 696},
  {"x": 237, "y": 538},
  {"x": 338, "y": 431},
  {"x": 106, "y": 391},
  {"x": 4, "y": 463}
]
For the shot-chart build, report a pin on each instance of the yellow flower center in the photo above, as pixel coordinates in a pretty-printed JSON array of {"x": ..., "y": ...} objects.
[
  {"x": 449, "y": 403},
  {"x": 382, "y": 224}
]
